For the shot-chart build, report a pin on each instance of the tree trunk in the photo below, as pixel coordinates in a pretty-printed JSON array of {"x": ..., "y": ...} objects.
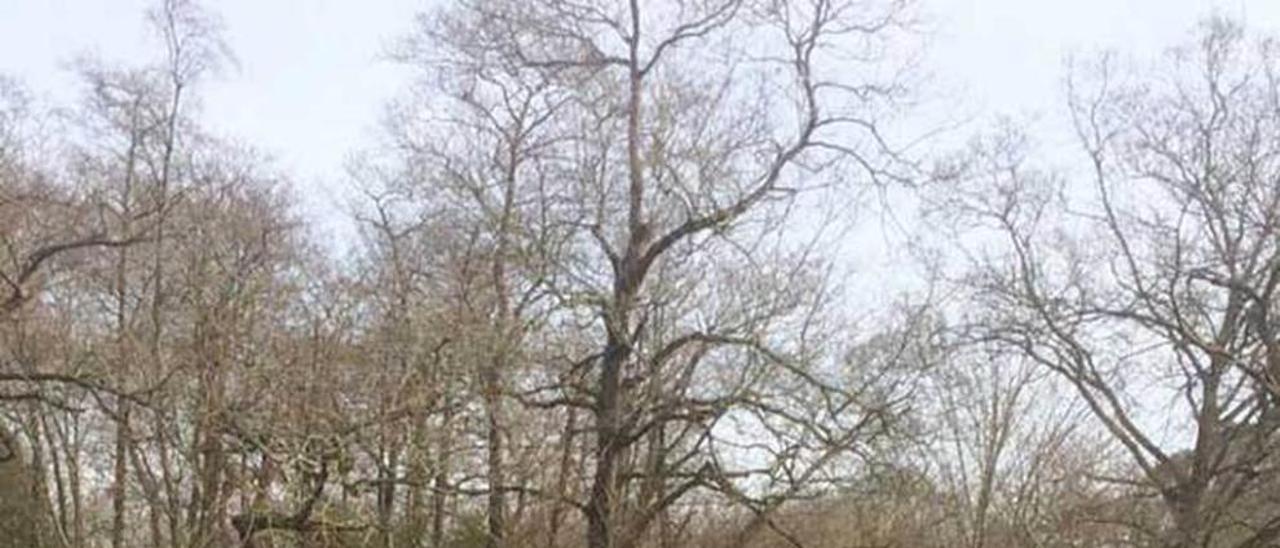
[
  {"x": 628, "y": 277},
  {"x": 119, "y": 478},
  {"x": 416, "y": 470},
  {"x": 608, "y": 447},
  {"x": 496, "y": 503},
  {"x": 562, "y": 479},
  {"x": 440, "y": 483},
  {"x": 387, "y": 492}
]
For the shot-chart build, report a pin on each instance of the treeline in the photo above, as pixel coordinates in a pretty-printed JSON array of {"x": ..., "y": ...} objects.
[{"x": 599, "y": 298}]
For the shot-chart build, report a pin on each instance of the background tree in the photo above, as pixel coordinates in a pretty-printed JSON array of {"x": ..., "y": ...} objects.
[{"x": 1149, "y": 286}]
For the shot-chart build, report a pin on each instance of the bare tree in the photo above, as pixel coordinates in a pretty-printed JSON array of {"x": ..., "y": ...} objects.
[
  {"x": 1150, "y": 289},
  {"x": 681, "y": 149}
]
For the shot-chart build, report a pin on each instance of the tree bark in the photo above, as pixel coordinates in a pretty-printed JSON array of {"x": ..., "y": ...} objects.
[{"x": 120, "y": 478}]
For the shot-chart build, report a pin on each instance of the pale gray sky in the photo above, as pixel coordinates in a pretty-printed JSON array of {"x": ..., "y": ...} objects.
[{"x": 310, "y": 85}]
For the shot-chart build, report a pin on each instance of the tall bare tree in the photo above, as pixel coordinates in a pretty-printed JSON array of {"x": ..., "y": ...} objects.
[
  {"x": 1150, "y": 285},
  {"x": 680, "y": 147}
]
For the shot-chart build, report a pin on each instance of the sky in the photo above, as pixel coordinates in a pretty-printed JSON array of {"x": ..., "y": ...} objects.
[{"x": 312, "y": 81}]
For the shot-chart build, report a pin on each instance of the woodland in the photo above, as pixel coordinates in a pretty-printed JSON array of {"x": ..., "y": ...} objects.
[{"x": 600, "y": 296}]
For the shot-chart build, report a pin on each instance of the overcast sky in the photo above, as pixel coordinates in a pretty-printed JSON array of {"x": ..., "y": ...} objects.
[{"x": 310, "y": 85}]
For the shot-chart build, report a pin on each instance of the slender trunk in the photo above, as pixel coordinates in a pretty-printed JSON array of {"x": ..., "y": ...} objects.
[
  {"x": 120, "y": 287},
  {"x": 59, "y": 485},
  {"x": 163, "y": 184},
  {"x": 496, "y": 502},
  {"x": 73, "y": 477},
  {"x": 387, "y": 492},
  {"x": 173, "y": 503},
  {"x": 212, "y": 460},
  {"x": 440, "y": 483},
  {"x": 120, "y": 478},
  {"x": 562, "y": 479},
  {"x": 501, "y": 324},
  {"x": 415, "y": 512}
]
